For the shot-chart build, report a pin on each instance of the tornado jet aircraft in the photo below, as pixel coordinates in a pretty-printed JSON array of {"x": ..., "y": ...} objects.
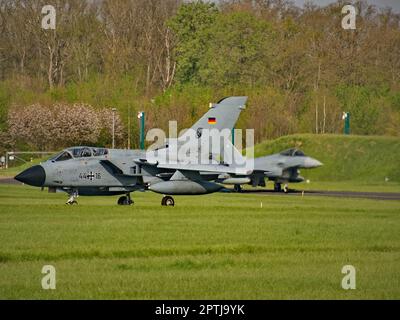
[
  {"x": 91, "y": 171},
  {"x": 282, "y": 168}
]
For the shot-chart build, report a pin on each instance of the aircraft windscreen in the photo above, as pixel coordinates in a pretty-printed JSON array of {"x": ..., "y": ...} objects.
[
  {"x": 288, "y": 152},
  {"x": 64, "y": 156},
  {"x": 293, "y": 153},
  {"x": 299, "y": 153},
  {"x": 53, "y": 158}
]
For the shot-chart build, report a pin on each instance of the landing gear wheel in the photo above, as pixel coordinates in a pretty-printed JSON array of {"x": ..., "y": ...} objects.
[
  {"x": 285, "y": 188},
  {"x": 277, "y": 187},
  {"x": 122, "y": 200},
  {"x": 167, "y": 201},
  {"x": 237, "y": 188},
  {"x": 125, "y": 201}
]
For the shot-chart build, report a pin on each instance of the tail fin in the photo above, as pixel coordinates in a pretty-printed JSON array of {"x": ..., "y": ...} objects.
[
  {"x": 218, "y": 121},
  {"x": 222, "y": 115}
]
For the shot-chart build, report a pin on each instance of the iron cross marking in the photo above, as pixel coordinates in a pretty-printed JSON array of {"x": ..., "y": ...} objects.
[{"x": 90, "y": 176}]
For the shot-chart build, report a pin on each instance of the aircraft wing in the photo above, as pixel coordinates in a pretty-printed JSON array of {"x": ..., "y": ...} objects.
[
  {"x": 112, "y": 167},
  {"x": 274, "y": 172},
  {"x": 216, "y": 168}
]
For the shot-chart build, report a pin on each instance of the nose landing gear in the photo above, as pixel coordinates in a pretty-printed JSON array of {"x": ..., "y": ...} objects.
[
  {"x": 286, "y": 188},
  {"x": 278, "y": 187}
]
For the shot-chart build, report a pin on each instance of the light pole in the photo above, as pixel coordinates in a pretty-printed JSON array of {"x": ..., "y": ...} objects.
[
  {"x": 346, "y": 118},
  {"x": 113, "y": 127},
  {"x": 129, "y": 127},
  {"x": 141, "y": 116}
]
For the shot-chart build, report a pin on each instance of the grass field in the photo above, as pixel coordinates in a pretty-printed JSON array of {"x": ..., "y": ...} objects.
[{"x": 220, "y": 246}]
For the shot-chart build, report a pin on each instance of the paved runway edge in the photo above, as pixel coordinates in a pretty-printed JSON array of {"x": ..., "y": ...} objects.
[
  {"x": 320, "y": 193},
  {"x": 338, "y": 194}
]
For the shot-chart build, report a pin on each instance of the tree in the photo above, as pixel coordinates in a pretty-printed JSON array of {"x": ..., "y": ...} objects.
[
  {"x": 238, "y": 51},
  {"x": 189, "y": 26},
  {"x": 52, "y": 127}
]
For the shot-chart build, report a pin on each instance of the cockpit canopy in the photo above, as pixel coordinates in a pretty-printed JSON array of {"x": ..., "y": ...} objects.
[
  {"x": 293, "y": 152},
  {"x": 79, "y": 152}
]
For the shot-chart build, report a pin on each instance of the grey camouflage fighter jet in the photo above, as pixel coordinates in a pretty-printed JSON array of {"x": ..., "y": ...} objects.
[
  {"x": 282, "y": 168},
  {"x": 90, "y": 171}
]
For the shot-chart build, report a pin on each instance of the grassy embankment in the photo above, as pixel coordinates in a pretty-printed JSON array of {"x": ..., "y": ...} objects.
[{"x": 356, "y": 163}]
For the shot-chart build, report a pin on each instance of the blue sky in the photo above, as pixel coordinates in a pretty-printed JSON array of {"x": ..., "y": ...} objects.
[{"x": 395, "y": 4}]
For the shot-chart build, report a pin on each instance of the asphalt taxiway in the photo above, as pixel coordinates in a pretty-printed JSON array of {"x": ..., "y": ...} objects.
[
  {"x": 292, "y": 192},
  {"x": 326, "y": 193}
]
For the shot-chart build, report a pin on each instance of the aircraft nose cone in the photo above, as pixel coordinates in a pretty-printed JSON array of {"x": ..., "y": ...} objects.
[
  {"x": 312, "y": 163},
  {"x": 34, "y": 176}
]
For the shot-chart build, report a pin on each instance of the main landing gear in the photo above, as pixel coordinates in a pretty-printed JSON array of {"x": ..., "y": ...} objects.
[
  {"x": 125, "y": 200},
  {"x": 286, "y": 188},
  {"x": 237, "y": 188},
  {"x": 167, "y": 201},
  {"x": 72, "y": 198},
  {"x": 278, "y": 187}
]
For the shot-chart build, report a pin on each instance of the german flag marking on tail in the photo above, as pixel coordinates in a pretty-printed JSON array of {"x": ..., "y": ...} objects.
[{"x": 212, "y": 120}]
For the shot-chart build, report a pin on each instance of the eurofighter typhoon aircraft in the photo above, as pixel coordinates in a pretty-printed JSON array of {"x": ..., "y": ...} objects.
[
  {"x": 282, "y": 168},
  {"x": 93, "y": 171}
]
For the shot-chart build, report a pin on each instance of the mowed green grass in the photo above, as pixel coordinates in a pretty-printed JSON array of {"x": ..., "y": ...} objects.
[{"x": 219, "y": 246}]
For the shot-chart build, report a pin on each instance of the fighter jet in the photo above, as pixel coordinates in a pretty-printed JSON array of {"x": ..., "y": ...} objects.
[
  {"x": 91, "y": 171},
  {"x": 282, "y": 168}
]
